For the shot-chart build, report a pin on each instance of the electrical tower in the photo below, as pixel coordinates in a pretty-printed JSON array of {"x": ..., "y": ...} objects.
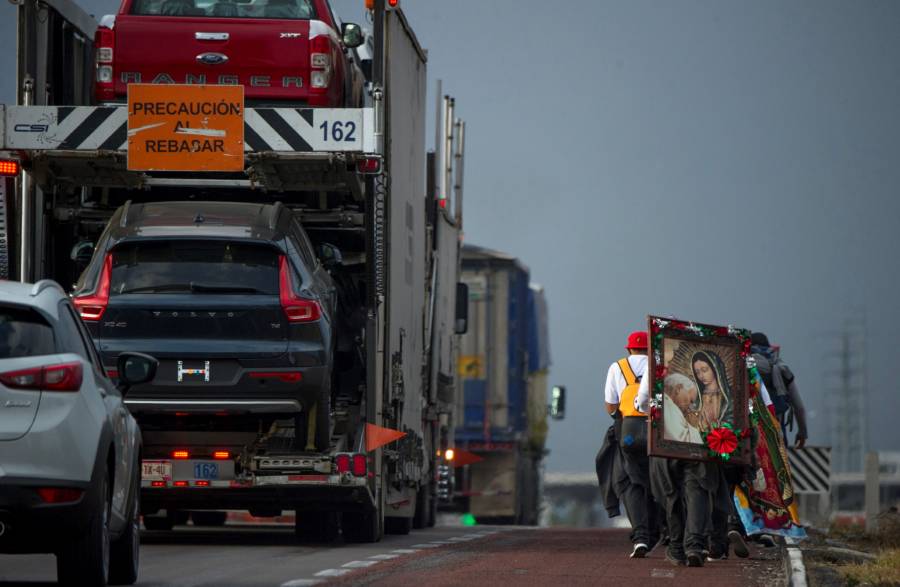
[{"x": 847, "y": 383}]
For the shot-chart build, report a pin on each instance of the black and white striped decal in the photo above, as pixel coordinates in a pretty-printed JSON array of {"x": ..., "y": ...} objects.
[
  {"x": 6, "y": 194},
  {"x": 811, "y": 469},
  {"x": 77, "y": 128}
]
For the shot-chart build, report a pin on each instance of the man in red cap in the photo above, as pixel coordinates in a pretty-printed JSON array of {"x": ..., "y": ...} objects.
[{"x": 631, "y": 472}]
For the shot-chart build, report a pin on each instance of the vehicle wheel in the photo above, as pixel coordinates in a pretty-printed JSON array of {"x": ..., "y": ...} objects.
[
  {"x": 85, "y": 559},
  {"x": 204, "y": 518},
  {"x": 323, "y": 417},
  {"x": 361, "y": 527},
  {"x": 401, "y": 526},
  {"x": 319, "y": 527},
  {"x": 424, "y": 498},
  {"x": 126, "y": 550},
  {"x": 159, "y": 523}
]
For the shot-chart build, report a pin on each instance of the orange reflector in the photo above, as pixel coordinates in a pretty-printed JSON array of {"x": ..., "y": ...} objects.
[
  {"x": 180, "y": 484},
  {"x": 442, "y": 203},
  {"x": 369, "y": 165},
  {"x": 201, "y": 483},
  {"x": 157, "y": 484},
  {"x": 221, "y": 454},
  {"x": 9, "y": 168},
  {"x": 180, "y": 454},
  {"x": 378, "y": 436}
]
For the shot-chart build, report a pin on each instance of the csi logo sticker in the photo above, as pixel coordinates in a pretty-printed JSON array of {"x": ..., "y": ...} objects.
[
  {"x": 182, "y": 371},
  {"x": 31, "y": 127}
]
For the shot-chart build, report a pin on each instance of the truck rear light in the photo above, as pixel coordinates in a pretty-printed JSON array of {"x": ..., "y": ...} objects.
[
  {"x": 180, "y": 454},
  {"x": 319, "y": 79},
  {"x": 222, "y": 455},
  {"x": 369, "y": 166},
  {"x": 343, "y": 463},
  {"x": 359, "y": 465},
  {"x": 61, "y": 377},
  {"x": 296, "y": 309},
  {"x": 201, "y": 483},
  {"x": 283, "y": 376},
  {"x": 92, "y": 306},
  {"x": 104, "y": 82},
  {"x": 180, "y": 483},
  {"x": 320, "y": 60},
  {"x": 157, "y": 484},
  {"x": 59, "y": 494},
  {"x": 9, "y": 168}
]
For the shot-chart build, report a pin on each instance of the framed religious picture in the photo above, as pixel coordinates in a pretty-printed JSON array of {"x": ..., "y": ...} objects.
[{"x": 699, "y": 391}]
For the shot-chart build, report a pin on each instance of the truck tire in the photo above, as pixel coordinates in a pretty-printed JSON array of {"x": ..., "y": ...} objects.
[
  {"x": 318, "y": 527},
  {"x": 84, "y": 560},
  {"x": 398, "y": 526},
  {"x": 125, "y": 552},
  {"x": 361, "y": 527},
  {"x": 209, "y": 518},
  {"x": 424, "y": 502}
]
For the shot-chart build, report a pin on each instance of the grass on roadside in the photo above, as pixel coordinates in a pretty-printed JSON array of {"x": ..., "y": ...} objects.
[{"x": 885, "y": 570}]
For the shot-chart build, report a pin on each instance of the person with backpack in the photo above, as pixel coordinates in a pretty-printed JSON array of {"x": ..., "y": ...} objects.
[
  {"x": 782, "y": 386},
  {"x": 631, "y": 470}
]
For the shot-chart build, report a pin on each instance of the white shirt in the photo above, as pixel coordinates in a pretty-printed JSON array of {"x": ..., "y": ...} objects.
[
  {"x": 642, "y": 400},
  {"x": 677, "y": 426},
  {"x": 615, "y": 381}
]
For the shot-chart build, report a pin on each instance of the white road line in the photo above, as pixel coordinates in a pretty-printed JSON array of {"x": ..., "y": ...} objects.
[
  {"x": 333, "y": 572},
  {"x": 405, "y": 550},
  {"x": 384, "y": 557},
  {"x": 301, "y": 583},
  {"x": 359, "y": 564},
  {"x": 427, "y": 545},
  {"x": 440, "y": 542}
]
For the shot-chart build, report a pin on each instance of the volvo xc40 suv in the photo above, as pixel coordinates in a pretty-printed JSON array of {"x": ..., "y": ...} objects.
[{"x": 69, "y": 449}]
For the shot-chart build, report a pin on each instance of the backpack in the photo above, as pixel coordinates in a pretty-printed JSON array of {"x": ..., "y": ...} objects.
[
  {"x": 633, "y": 435},
  {"x": 777, "y": 377}
]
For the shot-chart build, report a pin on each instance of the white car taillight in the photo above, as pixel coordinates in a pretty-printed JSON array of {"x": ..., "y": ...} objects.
[
  {"x": 104, "y": 54},
  {"x": 104, "y": 74},
  {"x": 319, "y": 79},
  {"x": 320, "y": 60}
]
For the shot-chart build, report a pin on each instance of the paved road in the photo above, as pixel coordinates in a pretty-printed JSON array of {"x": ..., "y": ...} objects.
[
  {"x": 245, "y": 556},
  {"x": 489, "y": 556}
]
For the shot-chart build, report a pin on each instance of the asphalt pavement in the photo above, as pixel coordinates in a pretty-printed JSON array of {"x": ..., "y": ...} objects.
[{"x": 251, "y": 555}]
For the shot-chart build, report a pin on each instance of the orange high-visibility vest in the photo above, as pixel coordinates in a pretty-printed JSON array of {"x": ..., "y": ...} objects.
[{"x": 632, "y": 384}]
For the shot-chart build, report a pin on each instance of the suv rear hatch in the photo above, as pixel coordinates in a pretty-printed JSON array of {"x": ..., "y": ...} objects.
[
  {"x": 26, "y": 345},
  {"x": 260, "y": 44},
  {"x": 207, "y": 309}
]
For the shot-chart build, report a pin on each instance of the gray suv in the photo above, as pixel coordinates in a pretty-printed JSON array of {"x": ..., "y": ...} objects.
[{"x": 70, "y": 452}]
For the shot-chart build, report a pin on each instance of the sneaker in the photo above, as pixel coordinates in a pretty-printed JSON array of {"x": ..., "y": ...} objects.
[
  {"x": 695, "y": 559},
  {"x": 640, "y": 550},
  {"x": 716, "y": 556},
  {"x": 675, "y": 560},
  {"x": 738, "y": 544}
]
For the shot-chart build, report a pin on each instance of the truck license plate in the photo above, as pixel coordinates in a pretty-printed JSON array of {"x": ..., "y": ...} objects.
[
  {"x": 156, "y": 470},
  {"x": 206, "y": 470}
]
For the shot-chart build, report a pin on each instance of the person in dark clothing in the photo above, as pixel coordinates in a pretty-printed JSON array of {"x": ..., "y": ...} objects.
[
  {"x": 782, "y": 386},
  {"x": 631, "y": 467}
]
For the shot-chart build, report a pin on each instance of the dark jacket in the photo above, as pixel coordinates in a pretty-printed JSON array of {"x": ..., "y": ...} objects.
[{"x": 606, "y": 469}]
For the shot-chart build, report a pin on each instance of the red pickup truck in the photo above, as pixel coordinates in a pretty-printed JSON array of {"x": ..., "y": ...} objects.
[{"x": 282, "y": 51}]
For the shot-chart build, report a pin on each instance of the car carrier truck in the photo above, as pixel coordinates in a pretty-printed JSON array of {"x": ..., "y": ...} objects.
[
  {"x": 502, "y": 407},
  {"x": 358, "y": 179}
]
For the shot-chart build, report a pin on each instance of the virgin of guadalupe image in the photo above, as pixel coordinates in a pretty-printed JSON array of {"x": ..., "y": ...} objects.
[{"x": 715, "y": 393}]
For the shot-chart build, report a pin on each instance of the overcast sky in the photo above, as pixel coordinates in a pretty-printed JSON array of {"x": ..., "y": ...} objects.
[{"x": 728, "y": 162}]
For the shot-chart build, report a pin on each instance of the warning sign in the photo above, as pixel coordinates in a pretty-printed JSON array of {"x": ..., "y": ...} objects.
[
  {"x": 471, "y": 367},
  {"x": 185, "y": 128}
]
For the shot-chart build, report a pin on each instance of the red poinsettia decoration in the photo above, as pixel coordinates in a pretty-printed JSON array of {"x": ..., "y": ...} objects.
[{"x": 722, "y": 440}]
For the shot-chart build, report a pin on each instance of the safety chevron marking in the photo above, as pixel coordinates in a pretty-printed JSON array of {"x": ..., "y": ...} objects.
[
  {"x": 105, "y": 128},
  {"x": 811, "y": 469}
]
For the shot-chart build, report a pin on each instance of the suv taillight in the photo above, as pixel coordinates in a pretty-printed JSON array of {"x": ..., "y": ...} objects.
[
  {"x": 62, "y": 377},
  {"x": 92, "y": 306},
  {"x": 320, "y": 69},
  {"x": 296, "y": 309},
  {"x": 104, "y": 82}
]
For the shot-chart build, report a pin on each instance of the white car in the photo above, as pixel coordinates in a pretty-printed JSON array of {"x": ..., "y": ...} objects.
[{"x": 70, "y": 452}]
